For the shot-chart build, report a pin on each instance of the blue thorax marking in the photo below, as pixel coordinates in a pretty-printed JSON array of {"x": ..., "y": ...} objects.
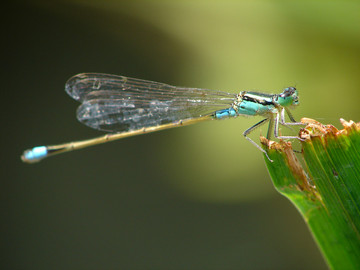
[
  {"x": 248, "y": 104},
  {"x": 252, "y": 108}
]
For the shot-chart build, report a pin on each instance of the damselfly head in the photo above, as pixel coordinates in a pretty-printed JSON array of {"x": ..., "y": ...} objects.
[{"x": 289, "y": 97}]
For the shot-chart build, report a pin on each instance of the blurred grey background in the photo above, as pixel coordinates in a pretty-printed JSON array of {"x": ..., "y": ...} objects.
[{"x": 197, "y": 197}]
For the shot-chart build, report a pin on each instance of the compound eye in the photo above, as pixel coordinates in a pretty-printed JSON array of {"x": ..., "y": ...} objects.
[{"x": 288, "y": 92}]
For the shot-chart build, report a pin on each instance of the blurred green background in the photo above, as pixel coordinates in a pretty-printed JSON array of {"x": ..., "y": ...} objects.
[{"x": 197, "y": 197}]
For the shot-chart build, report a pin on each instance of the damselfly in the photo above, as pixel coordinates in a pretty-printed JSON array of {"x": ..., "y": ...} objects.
[{"x": 126, "y": 107}]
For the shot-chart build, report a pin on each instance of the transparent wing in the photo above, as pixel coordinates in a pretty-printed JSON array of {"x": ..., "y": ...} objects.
[{"x": 117, "y": 103}]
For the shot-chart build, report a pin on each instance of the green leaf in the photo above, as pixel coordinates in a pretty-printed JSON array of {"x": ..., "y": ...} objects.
[{"x": 324, "y": 186}]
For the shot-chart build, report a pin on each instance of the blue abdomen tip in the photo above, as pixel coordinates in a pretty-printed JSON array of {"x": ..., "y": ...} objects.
[{"x": 36, "y": 153}]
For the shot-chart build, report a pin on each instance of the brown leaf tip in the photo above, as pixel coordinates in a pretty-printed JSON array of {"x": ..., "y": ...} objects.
[{"x": 316, "y": 129}]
